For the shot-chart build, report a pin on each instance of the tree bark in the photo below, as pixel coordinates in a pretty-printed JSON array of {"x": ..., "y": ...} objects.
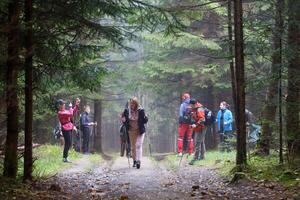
[
  {"x": 241, "y": 157},
  {"x": 230, "y": 51},
  {"x": 28, "y": 162},
  {"x": 11, "y": 160},
  {"x": 293, "y": 90},
  {"x": 98, "y": 118},
  {"x": 280, "y": 5},
  {"x": 269, "y": 110}
]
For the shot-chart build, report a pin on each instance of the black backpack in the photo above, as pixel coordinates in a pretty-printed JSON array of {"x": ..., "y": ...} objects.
[
  {"x": 209, "y": 117},
  {"x": 57, "y": 131}
]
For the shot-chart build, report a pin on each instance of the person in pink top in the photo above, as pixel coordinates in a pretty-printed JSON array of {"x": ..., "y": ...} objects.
[{"x": 67, "y": 126}]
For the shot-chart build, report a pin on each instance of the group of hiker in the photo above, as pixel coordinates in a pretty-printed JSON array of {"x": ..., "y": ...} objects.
[
  {"x": 194, "y": 119},
  {"x": 67, "y": 126}
]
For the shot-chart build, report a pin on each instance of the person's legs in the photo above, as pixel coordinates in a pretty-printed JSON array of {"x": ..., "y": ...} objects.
[
  {"x": 139, "y": 147},
  {"x": 133, "y": 137},
  {"x": 181, "y": 131},
  {"x": 85, "y": 137},
  {"x": 88, "y": 141},
  {"x": 128, "y": 150},
  {"x": 189, "y": 133},
  {"x": 197, "y": 147},
  {"x": 202, "y": 142},
  {"x": 68, "y": 141}
]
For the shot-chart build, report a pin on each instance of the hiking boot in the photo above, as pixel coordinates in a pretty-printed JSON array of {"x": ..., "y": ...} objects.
[
  {"x": 192, "y": 162},
  {"x": 66, "y": 160},
  {"x": 138, "y": 164},
  {"x": 134, "y": 163}
]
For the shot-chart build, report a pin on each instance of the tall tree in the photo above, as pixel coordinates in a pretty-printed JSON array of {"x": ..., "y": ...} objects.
[
  {"x": 98, "y": 118},
  {"x": 241, "y": 157},
  {"x": 270, "y": 107},
  {"x": 293, "y": 90},
  {"x": 28, "y": 91},
  {"x": 280, "y": 5},
  {"x": 11, "y": 159},
  {"x": 230, "y": 51}
]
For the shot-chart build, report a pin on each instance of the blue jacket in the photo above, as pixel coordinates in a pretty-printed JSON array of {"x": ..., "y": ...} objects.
[
  {"x": 184, "y": 107},
  {"x": 228, "y": 119},
  {"x": 184, "y": 113}
]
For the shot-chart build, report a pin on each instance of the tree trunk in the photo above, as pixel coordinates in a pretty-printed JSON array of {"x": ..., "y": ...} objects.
[
  {"x": 230, "y": 51},
  {"x": 211, "y": 134},
  {"x": 269, "y": 110},
  {"x": 11, "y": 160},
  {"x": 241, "y": 158},
  {"x": 98, "y": 118},
  {"x": 280, "y": 4},
  {"x": 28, "y": 92},
  {"x": 293, "y": 90}
]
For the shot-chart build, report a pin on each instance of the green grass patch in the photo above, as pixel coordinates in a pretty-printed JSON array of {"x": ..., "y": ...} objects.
[
  {"x": 214, "y": 159},
  {"x": 268, "y": 168},
  {"x": 258, "y": 168},
  {"x": 49, "y": 160},
  {"x": 95, "y": 158}
]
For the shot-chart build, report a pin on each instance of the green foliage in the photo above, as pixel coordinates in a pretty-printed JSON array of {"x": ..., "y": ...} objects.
[{"x": 49, "y": 160}]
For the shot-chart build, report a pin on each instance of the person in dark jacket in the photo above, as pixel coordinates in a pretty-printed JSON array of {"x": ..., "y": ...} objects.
[
  {"x": 85, "y": 128},
  {"x": 135, "y": 119}
]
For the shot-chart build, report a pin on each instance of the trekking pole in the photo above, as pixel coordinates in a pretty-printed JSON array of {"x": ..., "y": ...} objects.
[{"x": 181, "y": 159}]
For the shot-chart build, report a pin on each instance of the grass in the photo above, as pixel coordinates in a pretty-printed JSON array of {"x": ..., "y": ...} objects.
[
  {"x": 95, "y": 160},
  {"x": 268, "y": 168},
  {"x": 49, "y": 160},
  {"x": 258, "y": 168}
]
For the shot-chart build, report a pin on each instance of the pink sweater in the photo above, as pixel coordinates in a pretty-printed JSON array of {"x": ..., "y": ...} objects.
[{"x": 64, "y": 117}]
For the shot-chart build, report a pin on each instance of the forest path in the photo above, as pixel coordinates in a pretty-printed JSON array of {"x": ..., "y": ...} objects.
[{"x": 116, "y": 180}]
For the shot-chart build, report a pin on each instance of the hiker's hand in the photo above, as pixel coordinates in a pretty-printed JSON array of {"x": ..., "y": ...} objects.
[
  {"x": 74, "y": 128},
  {"x": 77, "y": 102},
  {"x": 193, "y": 125},
  {"x": 70, "y": 105}
]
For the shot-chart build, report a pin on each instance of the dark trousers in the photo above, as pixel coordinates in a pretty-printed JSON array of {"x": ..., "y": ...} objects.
[
  {"x": 68, "y": 142},
  {"x": 85, "y": 139},
  {"x": 200, "y": 144}
]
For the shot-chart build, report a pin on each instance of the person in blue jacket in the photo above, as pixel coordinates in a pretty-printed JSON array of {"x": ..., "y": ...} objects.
[{"x": 224, "y": 119}]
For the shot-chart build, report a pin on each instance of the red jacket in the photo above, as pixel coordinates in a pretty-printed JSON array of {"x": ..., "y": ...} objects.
[
  {"x": 198, "y": 116},
  {"x": 64, "y": 117}
]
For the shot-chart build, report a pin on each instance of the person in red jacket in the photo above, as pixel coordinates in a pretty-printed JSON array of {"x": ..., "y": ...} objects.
[
  {"x": 198, "y": 120},
  {"x": 67, "y": 126}
]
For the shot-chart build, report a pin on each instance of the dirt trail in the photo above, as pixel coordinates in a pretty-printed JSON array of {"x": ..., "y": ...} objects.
[{"x": 115, "y": 180}]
